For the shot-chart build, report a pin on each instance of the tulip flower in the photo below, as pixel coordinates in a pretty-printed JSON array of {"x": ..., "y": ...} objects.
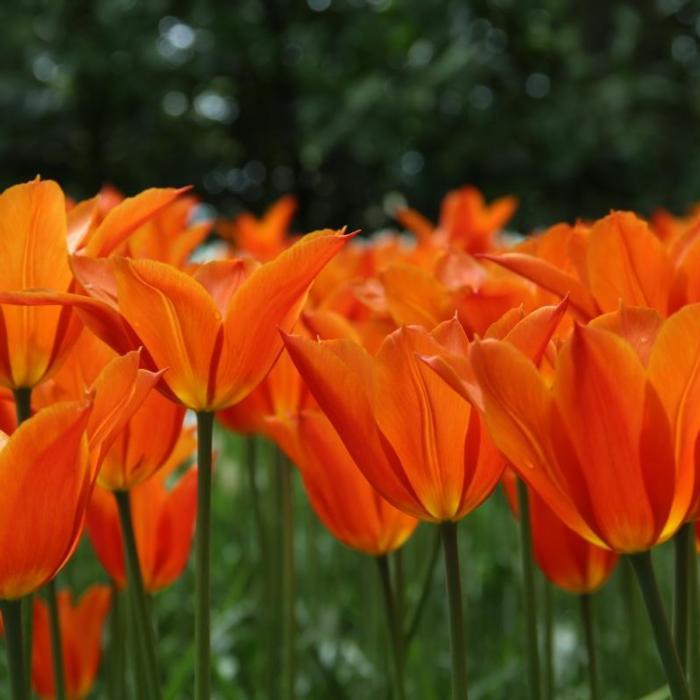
[
  {"x": 81, "y": 641},
  {"x": 263, "y": 238},
  {"x": 466, "y": 221},
  {"x": 163, "y": 521},
  {"x": 616, "y": 259},
  {"x": 37, "y": 235},
  {"x": 389, "y": 410},
  {"x": 610, "y": 444}
]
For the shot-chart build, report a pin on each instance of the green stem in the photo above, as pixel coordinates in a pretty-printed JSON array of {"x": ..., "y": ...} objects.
[
  {"x": 427, "y": 579},
  {"x": 646, "y": 578},
  {"x": 394, "y": 626},
  {"x": 116, "y": 647},
  {"x": 23, "y": 410},
  {"x": 202, "y": 667},
  {"x": 588, "y": 620},
  {"x": 694, "y": 621},
  {"x": 548, "y": 642},
  {"x": 143, "y": 624},
  {"x": 399, "y": 586},
  {"x": 12, "y": 619},
  {"x": 680, "y": 592},
  {"x": 448, "y": 531},
  {"x": 528, "y": 572},
  {"x": 288, "y": 581},
  {"x": 251, "y": 460},
  {"x": 56, "y": 645}
]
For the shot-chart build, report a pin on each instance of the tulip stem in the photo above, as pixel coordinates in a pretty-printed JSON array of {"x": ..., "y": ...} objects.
[
  {"x": 586, "y": 600},
  {"x": 202, "y": 667},
  {"x": 56, "y": 646},
  {"x": 528, "y": 572},
  {"x": 394, "y": 627},
  {"x": 644, "y": 569},
  {"x": 116, "y": 646},
  {"x": 12, "y": 619},
  {"x": 448, "y": 531},
  {"x": 680, "y": 594},
  {"x": 694, "y": 621},
  {"x": 143, "y": 625},
  {"x": 428, "y": 576},
  {"x": 288, "y": 580},
  {"x": 548, "y": 642},
  {"x": 23, "y": 410}
]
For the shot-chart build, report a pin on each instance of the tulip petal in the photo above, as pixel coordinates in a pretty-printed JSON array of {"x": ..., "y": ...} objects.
[
  {"x": 45, "y": 481},
  {"x": 339, "y": 375},
  {"x": 413, "y": 296},
  {"x": 519, "y": 414},
  {"x": 176, "y": 320},
  {"x": 271, "y": 298},
  {"x": 33, "y": 254},
  {"x": 123, "y": 219},
  {"x": 550, "y": 278},
  {"x": 601, "y": 384},
  {"x": 627, "y": 263},
  {"x": 674, "y": 372}
]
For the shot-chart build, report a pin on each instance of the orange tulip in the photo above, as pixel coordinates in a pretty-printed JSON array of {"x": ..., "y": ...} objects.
[
  {"x": 609, "y": 443},
  {"x": 45, "y": 483},
  {"x": 389, "y": 410},
  {"x": 81, "y": 640},
  {"x": 48, "y": 468},
  {"x": 365, "y": 521},
  {"x": 37, "y": 234},
  {"x": 262, "y": 238},
  {"x": 466, "y": 221},
  {"x": 617, "y": 259},
  {"x": 215, "y": 332},
  {"x": 163, "y": 521}
]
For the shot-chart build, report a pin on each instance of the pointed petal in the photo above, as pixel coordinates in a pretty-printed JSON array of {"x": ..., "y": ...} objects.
[
  {"x": 122, "y": 220},
  {"x": 550, "y": 278},
  {"x": 271, "y": 298}
]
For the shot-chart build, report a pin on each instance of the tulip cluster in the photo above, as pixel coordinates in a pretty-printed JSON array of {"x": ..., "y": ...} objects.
[{"x": 402, "y": 376}]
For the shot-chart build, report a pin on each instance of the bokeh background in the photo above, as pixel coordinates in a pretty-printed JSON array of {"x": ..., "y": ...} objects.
[{"x": 574, "y": 107}]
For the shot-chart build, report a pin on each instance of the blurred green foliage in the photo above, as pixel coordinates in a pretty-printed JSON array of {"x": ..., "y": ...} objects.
[{"x": 574, "y": 107}]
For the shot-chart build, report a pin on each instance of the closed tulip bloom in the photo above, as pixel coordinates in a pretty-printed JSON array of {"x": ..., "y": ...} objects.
[
  {"x": 45, "y": 483},
  {"x": 81, "y": 626},
  {"x": 340, "y": 495},
  {"x": 608, "y": 442},
  {"x": 422, "y": 446},
  {"x": 163, "y": 520}
]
